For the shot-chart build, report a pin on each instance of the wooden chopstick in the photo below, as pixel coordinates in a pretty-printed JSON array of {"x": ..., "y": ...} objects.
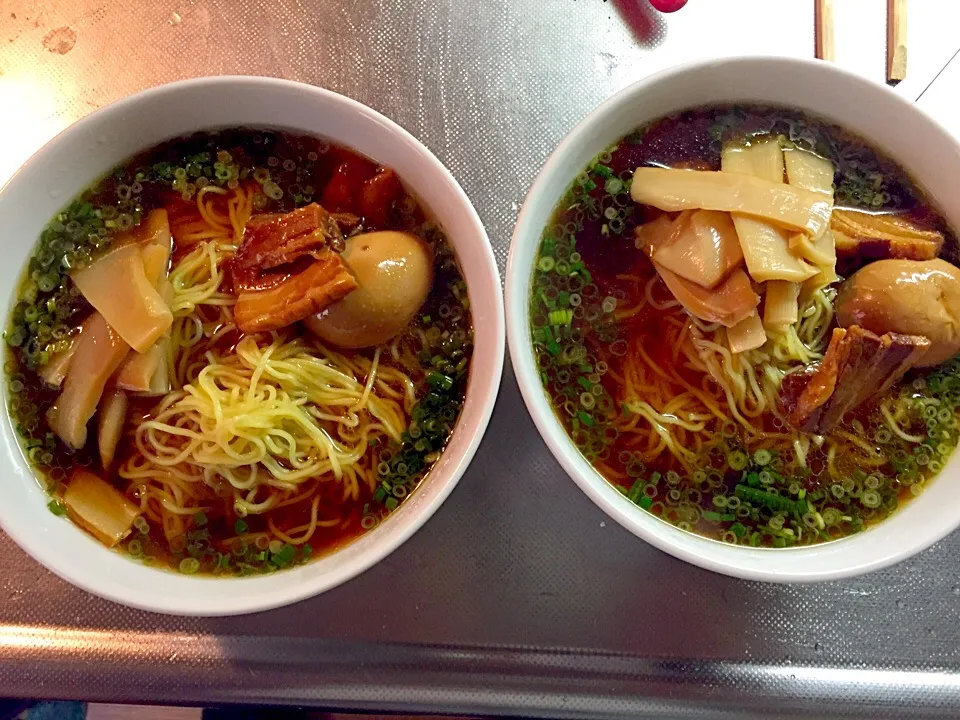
[
  {"x": 823, "y": 18},
  {"x": 896, "y": 40}
]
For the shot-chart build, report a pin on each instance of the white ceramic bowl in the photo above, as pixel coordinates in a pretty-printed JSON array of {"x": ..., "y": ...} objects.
[
  {"x": 922, "y": 146},
  {"x": 99, "y": 142}
]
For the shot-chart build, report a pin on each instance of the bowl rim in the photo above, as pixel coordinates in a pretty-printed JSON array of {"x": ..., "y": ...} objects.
[
  {"x": 735, "y": 561},
  {"x": 481, "y": 393}
]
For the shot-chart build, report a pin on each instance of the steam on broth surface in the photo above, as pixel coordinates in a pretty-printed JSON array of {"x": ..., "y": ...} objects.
[
  {"x": 744, "y": 318},
  {"x": 238, "y": 351}
]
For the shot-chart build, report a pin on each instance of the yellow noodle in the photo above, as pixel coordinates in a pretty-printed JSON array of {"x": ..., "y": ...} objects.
[
  {"x": 738, "y": 388},
  {"x": 895, "y": 427},
  {"x": 258, "y": 422}
]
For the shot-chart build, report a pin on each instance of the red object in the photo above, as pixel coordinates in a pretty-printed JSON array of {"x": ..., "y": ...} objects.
[
  {"x": 668, "y": 6},
  {"x": 377, "y": 196},
  {"x": 343, "y": 189}
]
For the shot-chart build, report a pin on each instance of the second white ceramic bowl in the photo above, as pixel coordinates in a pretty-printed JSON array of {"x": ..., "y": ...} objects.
[
  {"x": 90, "y": 148},
  {"x": 917, "y": 142}
]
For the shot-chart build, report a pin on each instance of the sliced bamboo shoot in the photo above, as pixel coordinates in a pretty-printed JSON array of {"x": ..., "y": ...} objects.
[
  {"x": 113, "y": 413},
  {"x": 99, "y": 508},
  {"x": 780, "y": 305},
  {"x": 703, "y": 248},
  {"x": 653, "y": 235},
  {"x": 827, "y": 276},
  {"x": 727, "y": 304},
  {"x": 808, "y": 171},
  {"x": 766, "y": 248},
  {"x": 155, "y": 261},
  {"x": 156, "y": 244},
  {"x": 146, "y": 373},
  {"x": 117, "y": 286},
  {"x": 766, "y": 251},
  {"x": 761, "y": 158},
  {"x": 812, "y": 172},
  {"x": 55, "y": 370},
  {"x": 675, "y": 190},
  {"x": 820, "y": 252},
  {"x": 100, "y": 350},
  {"x": 748, "y": 334}
]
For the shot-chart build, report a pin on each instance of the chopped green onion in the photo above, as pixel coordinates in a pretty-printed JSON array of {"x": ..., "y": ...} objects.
[
  {"x": 762, "y": 457},
  {"x": 737, "y": 460},
  {"x": 57, "y": 508},
  {"x": 283, "y": 556},
  {"x": 439, "y": 380},
  {"x": 764, "y": 498},
  {"x": 871, "y": 498}
]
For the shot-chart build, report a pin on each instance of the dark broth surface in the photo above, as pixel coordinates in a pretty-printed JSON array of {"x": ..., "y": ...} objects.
[
  {"x": 300, "y": 170},
  {"x": 590, "y": 318}
]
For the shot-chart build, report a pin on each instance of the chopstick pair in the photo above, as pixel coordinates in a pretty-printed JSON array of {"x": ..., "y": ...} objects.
[{"x": 896, "y": 36}]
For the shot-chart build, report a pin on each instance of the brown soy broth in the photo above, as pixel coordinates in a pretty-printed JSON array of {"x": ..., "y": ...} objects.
[
  {"x": 581, "y": 229},
  {"x": 306, "y": 167},
  {"x": 54, "y": 472}
]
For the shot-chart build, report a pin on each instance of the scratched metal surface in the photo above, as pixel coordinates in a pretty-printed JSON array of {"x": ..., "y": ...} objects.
[{"x": 518, "y": 597}]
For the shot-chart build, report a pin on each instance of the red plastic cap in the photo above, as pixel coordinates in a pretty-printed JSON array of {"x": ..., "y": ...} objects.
[{"x": 668, "y": 6}]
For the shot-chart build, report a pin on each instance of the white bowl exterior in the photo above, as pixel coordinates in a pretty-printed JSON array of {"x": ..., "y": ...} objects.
[
  {"x": 108, "y": 137},
  {"x": 928, "y": 153}
]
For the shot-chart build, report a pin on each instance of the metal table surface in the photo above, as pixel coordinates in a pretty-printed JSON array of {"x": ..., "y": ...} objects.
[{"x": 519, "y": 597}]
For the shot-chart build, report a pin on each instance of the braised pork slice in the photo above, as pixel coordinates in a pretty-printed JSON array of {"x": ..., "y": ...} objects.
[
  {"x": 274, "y": 240},
  {"x": 296, "y": 297},
  {"x": 857, "y": 365},
  {"x": 864, "y": 236}
]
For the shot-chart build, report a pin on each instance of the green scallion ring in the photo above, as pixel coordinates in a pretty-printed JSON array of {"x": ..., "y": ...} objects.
[
  {"x": 871, "y": 498},
  {"x": 762, "y": 457},
  {"x": 737, "y": 460},
  {"x": 613, "y": 186}
]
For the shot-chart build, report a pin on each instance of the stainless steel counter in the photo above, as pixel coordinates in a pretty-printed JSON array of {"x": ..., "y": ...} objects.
[{"x": 519, "y": 597}]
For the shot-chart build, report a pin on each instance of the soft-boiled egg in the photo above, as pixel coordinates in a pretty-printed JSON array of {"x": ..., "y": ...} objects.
[
  {"x": 912, "y": 297},
  {"x": 394, "y": 271}
]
